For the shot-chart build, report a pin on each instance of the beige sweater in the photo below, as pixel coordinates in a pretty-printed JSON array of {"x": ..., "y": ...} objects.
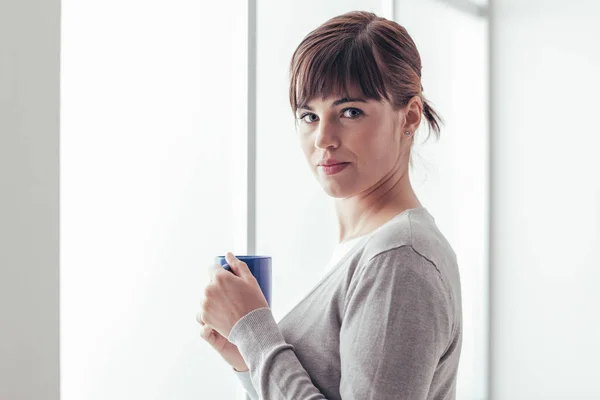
[{"x": 385, "y": 322}]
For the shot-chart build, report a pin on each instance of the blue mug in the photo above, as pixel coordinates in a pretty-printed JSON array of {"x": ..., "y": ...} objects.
[{"x": 260, "y": 267}]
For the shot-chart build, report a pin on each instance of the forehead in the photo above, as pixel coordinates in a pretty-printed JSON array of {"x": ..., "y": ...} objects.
[{"x": 337, "y": 99}]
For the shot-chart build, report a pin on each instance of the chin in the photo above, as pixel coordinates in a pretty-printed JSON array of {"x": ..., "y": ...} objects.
[{"x": 336, "y": 190}]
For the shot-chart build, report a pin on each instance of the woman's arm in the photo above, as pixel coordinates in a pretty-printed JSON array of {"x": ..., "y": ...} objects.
[{"x": 396, "y": 326}]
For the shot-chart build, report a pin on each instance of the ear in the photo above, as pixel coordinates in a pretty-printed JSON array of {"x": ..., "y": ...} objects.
[{"x": 413, "y": 113}]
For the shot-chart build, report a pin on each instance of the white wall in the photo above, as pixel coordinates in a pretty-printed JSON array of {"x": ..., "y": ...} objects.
[
  {"x": 546, "y": 200},
  {"x": 153, "y": 108},
  {"x": 29, "y": 209}
]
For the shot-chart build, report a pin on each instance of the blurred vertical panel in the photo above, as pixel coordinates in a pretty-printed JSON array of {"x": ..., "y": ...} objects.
[
  {"x": 29, "y": 199},
  {"x": 153, "y": 129},
  {"x": 546, "y": 199}
]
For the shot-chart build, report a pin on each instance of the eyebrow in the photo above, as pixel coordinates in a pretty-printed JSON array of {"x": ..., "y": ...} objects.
[{"x": 337, "y": 102}]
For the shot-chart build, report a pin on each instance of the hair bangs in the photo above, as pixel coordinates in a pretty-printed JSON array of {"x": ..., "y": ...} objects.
[{"x": 336, "y": 68}]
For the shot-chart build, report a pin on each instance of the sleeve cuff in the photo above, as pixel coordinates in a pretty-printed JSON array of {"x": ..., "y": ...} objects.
[{"x": 255, "y": 334}]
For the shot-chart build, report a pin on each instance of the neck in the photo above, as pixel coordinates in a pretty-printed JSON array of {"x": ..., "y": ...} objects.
[{"x": 365, "y": 212}]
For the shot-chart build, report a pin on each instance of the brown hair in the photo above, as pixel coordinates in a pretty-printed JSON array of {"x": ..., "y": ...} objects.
[{"x": 359, "y": 48}]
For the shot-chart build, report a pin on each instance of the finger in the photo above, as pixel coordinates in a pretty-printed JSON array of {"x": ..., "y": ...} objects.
[
  {"x": 199, "y": 318},
  {"x": 239, "y": 268},
  {"x": 207, "y": 333},
  {"x": 213, "y": 270}
]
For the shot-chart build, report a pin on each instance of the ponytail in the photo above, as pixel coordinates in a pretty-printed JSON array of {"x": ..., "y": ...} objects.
[{"x": 433, "y": 119}]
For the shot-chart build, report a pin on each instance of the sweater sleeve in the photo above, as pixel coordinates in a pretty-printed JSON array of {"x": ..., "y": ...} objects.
[
  {"x": 274, "y": 368},
  {"x": 395, "y": 326}
]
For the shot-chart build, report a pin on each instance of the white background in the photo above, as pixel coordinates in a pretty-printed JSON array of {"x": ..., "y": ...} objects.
[
  {"x": 153, "y": 96},
  {"x": 546, "y": 220}
]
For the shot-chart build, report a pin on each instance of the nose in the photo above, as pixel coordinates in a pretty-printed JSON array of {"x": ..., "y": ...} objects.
[{"x": 326, "y": 136}]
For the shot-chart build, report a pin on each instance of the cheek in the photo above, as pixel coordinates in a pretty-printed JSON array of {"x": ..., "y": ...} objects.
[
  {"x": 306, "y": 148},
  {"x": 378, "y": 154}
]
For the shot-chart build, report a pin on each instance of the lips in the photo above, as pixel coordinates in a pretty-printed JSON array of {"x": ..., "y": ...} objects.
[
  {"x": 329, "y": 161},
  {"x": 331, "y": 169}
]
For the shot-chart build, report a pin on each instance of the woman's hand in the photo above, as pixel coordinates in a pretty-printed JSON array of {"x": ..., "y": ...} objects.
[
  {"x": 224, "y": 347},
  {"x": 230, "y": 296}
]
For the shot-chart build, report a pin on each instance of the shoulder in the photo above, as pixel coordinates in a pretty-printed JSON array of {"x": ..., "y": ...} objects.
[
  {"x": 412, "y": 243},
  {"x": 405, "y": 269},
  {"x": 415, "y": 228},
  {"x": 411, "y": 253},
  {"x": 404, "y": 286}
]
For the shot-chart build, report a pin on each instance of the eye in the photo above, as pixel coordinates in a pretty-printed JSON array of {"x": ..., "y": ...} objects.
[
  {"x": 310, "y": 120},
  {"x": 352, "y": 113}
]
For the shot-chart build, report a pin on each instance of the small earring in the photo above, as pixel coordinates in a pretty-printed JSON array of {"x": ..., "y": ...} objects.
[{"x": 407, "y": 133}]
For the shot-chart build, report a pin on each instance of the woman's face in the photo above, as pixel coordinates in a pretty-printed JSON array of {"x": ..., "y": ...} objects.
[{"x": 366, "y": 135}]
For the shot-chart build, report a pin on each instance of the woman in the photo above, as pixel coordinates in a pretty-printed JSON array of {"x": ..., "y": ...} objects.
[{"x": 385, "y": 322}]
